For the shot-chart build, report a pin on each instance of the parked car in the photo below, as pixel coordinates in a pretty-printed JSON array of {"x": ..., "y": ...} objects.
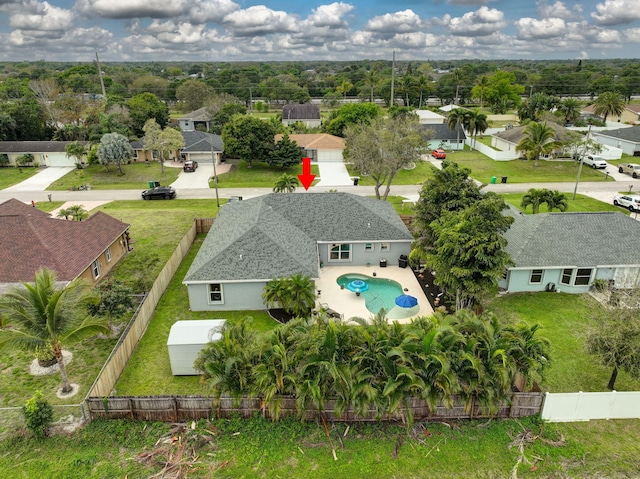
[
  {"x": 594, "y": 161},
  {"x": 159, "y": 193},
  {"x": 439, "y": 154},
  {"x": 632, "y": 169},
  {"x": 190, "y": 166},
  {"x": 628, "y": 201}
]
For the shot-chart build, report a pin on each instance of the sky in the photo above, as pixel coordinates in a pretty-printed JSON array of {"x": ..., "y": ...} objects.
[{"x": 240, "y": 30}]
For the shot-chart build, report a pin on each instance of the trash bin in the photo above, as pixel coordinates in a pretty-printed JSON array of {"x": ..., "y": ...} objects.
[
  {"x": 493, "y": 180},
  {"x": 153, "y": 184},
  {"x": 356, "y": 180},
  {"x": 383, "y": 263},
  {"x": 403, "y": 261},
  {"x": 504, "y": 179}
]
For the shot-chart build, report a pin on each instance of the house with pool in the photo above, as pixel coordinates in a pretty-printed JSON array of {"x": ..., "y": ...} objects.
[
  {"x": 568, "y": 251},
  {"x": 320, "y": 235}
]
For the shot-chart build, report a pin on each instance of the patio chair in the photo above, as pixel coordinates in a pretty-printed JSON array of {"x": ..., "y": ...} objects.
[{"x": 332, "y": 313}]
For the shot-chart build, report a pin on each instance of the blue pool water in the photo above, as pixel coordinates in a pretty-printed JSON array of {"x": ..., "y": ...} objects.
[{"x": 381, "y": 293}]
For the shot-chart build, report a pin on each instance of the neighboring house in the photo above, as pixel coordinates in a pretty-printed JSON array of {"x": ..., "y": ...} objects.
[
  {"x": 30, "y": 239},
  {"x": 441, "y": 136},
  {"x": 304, "y": 113},
  {"x": 508, "y": 139},
  {"x": 45, "y": 153},
  {"x": 627, "y": 139},
  {"x": 448, "y": 108},
  {"x": 630, "y": 114},
  {"x": 318, "y": 146},
  {"x": 198, "y": 146},
  {"x": 196, "y": 120},
  {"x": 569, "y": 251},
  {"x": 280, "y": 235},
  {"x": 428, "y": 117}
]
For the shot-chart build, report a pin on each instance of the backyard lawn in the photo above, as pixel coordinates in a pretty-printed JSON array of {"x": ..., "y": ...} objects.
[{"x": 10, "y": 176}]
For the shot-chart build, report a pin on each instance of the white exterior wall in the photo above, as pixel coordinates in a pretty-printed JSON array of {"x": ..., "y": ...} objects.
[
  {"x": 236, "y": 296},
  {"x": 626, "y": 146}
]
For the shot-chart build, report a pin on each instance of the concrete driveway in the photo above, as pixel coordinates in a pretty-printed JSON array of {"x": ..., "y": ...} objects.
[
  {"x": 42, "y": 179},
  {"x": 199, "y": 178}
]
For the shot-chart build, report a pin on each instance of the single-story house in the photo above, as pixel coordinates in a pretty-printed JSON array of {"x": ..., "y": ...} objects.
[
  {"x": 428, "y": 117},
  {"x": 283, "y": 234},
  {"x": 303, "y": 112},
  {"x": 199, "y": 119},
  {"x": 318, "y": 146},
  {"x": 198, "y": 146},
  {"x": 441, "y": 136},
  {"x": 449, "y": 107},
  {"x": 508, "y": 139},
  {"x": 630, "y": 114},
  {"x": 45, "y": 153},
  {"x": 569, "y": 251},
  {"x": 627, "y": 139},
  {"x": 31, "y": 239}
]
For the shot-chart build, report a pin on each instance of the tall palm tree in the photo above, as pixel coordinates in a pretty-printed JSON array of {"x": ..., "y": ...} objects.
[
  {"x": 286, "y": 184},
  {"x": 43, "y": 315},
  {"x": 482, "y": 85},
  {"x": 300, "y": 297},
  {"x": 570, "y": 109},
  {"x": 422, "y": 84},
  {"x": 457, "y": 117},
  {"x": 344, "y": 88},
  {"x": 476, "y": 122},
  {"x": 406, "y": 85},
  {"x": 534, "y": 197},
  {"x": 609, "y": 103},
  {"x": 371, "y": 80},
  {"x": 539, "y": 139}
]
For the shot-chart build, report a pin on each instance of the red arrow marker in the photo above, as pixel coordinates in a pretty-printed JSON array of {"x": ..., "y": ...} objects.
[{"x": 306, "y": 178}]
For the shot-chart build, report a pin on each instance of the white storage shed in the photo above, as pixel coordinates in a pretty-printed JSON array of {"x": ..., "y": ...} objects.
[{"x": 186, "y": 340}]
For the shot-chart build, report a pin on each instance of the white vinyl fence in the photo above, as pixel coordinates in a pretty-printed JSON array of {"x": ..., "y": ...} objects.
[{"x": 565, "y": 407}]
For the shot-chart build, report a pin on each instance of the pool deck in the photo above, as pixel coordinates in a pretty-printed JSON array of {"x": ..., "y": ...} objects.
[{"x": 349, "y": 305}]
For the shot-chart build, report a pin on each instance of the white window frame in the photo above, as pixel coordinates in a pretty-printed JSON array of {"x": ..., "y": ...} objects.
[
  {"x": 340, "y": 252},
  {"x": 211, "y": 292},
  {"x": 536, "y": 272},
  {"x": 107, "y": 254},
  {"x": 385, "y": 246},
  {"x": 563, "y": 275},
  {"x": 95, "y": 268}
]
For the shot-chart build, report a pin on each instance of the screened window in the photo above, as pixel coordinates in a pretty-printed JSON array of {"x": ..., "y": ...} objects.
[
  {"x": 95, "y": 268},
  {"x": 566, "y": 276},
  {"x": 583, "y": 276},
  {"x": 340, "y": 252},
  {"x": 215, "y": 293},
  {"x": 536, "y": 276}
]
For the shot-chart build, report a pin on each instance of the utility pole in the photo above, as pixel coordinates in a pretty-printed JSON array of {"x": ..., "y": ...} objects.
[
  {"x": 393, "y": 77},
  {"x": 580, "y": 158},
  {"x": 104, "y": 92},
  {"x": 215, "y": 175}
]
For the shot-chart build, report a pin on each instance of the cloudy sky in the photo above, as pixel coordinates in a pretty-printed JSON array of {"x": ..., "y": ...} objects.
[{"x": 234, "y": 30}]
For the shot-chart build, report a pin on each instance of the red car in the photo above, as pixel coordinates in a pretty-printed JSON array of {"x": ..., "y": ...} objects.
[
  {"x": 439, "y": 154},
  {"x": 190, "y": 166}
]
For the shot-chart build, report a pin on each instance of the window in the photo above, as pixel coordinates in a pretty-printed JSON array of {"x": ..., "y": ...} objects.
[
  {"x": 215, "y": 293},
  {"x": 108, "y": 255},
  {"x": 384, "y": 246},
  {"x": 566, "y": 276},
  {"x": 583, "y": 276},
  {"x": 368, "y": 247},
  {"x": 95, "y": 267},
  {"x": 536, "y": 276},
  {"x": 340, "y": 252}
]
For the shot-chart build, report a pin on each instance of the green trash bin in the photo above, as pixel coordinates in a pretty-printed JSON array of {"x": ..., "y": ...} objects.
[
  {"x": 493, "y": 180},
  {"x": 151, "y": 184}
]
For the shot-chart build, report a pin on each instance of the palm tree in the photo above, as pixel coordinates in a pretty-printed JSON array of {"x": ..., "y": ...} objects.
[
  {"x": 476, "y": 122},
  {"x": 286, "y": 184},
  {"x": 422, "y": 84},
  {"x": 482, "y": 85},
  {"x": 45, "y": 316},
  {"x": 77, "y": 151},
  {"x": 300, "y": 297},
  {"x": 457, "y": 117},
  {"x": 570, "y": 108},
  {"x": 344, "y": 88},
  {"x": 556, "y": 201},
  {"x": 371, "y": 80},
  {"x": 539, "y": 139},
  {"x": 405, "y": 85},
  {"x": 609, "y": 103},
  {"x": 534, "y": 197}
]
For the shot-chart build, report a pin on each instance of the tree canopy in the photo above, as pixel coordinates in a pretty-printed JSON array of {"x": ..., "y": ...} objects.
[
  {"x": 114, "y": 149},
  {"x": 350, "y": 114},
  {"x": 248, "y": 138},
  {"x": 146, "y": 106}
]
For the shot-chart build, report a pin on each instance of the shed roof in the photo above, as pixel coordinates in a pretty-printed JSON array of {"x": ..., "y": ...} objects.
[
  {"x": 300, "y": 111},
  {"x": 441, "y": 131}
]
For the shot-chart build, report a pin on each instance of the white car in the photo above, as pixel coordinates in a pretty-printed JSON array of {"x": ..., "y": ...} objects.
[
  {"x": 594, "y": 161},
  {"x": 628, "y": 201}
]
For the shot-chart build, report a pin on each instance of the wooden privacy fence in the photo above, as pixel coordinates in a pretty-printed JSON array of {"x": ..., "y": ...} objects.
[
  {"x": 184, "y": 408},
  {"x": 121, "y": 353},
  {"x": 203, "y": 225}
]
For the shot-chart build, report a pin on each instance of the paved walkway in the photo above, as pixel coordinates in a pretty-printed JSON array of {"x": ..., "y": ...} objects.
[{"x": 333, "y": 173}]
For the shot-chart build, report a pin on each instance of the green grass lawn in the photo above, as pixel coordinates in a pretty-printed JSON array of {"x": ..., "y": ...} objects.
[
  {"x": 135, "y": 177},
  {"x": 416, "y": 176},
  {"x": 581, "y": 203},
  {"x": 10, "y": 176},
  {"x": 259, "y": 175}
]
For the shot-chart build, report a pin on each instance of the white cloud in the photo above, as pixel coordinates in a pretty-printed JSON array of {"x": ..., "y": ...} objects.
[
  {"x": 259, "y": 20},
  {"x": 46, "y": 18},
  {"x": 616, "y": 12},
  {"x": 405, "y": 21},
  {"x": 330, "y": 15},
  {"x": 531, "y": 29},
  {"x": 203, "y": 11},
  {"x": 483, "y": 21},
  {"x": 121, "y": 9},
  {"x": 555, "y": 10}
]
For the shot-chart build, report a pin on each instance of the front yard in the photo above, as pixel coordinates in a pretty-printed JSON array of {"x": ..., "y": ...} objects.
[{"x": 10, "y": 176}]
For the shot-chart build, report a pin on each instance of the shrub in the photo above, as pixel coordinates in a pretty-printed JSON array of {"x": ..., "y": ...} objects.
[{"x": 38, "y": 414}]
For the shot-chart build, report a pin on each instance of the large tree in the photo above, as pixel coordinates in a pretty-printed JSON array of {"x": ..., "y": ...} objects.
[
  {"x": 350, "y": 114},
  {"x": 192, "y": 94},
  {"x": 45, "y": 316},
  {"x": 539, "y": 139},
  {"x": 382, "y": 148},
  {"x": 502, "y": 88},
  {"x": 162, "y": 141},
  {"x": 285, "y": 154},
  {"x": 115, "y": 149},
  {"x": 469, "y": 251},
  {"x": 475, "y": 122},
  {"x": 145, "y": 106},
  {"x": 609, "y": 103},
  {"x": 249, "y": 138}
]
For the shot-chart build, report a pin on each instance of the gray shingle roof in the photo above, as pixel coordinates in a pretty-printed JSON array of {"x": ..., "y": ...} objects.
[
  {"x": 441, "y": 131},
  {"x": 629, "y": 134},
  {"x": 35, "y": 146},
  {"x": 573, "y": 239},
  {"x": 276, "y": 235},
  {"x": 201, "y": 114},
  {"x": 194, "y": 141},
  {"x": 296, "y": 111},
  {"x": 515, "y": 135}
]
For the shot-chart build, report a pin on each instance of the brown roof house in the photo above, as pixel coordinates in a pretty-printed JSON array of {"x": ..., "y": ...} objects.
[
  {"x": 304, "y": 113},
  {"x": 318, "y": 146},
  {"x": 31, "y": 239}
]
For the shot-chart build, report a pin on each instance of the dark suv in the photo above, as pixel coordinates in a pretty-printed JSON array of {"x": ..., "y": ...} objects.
[{"x": 190, "y": 166}]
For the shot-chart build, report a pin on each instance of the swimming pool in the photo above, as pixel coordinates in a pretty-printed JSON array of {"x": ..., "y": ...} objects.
[{"x": 381, "y": 292}]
